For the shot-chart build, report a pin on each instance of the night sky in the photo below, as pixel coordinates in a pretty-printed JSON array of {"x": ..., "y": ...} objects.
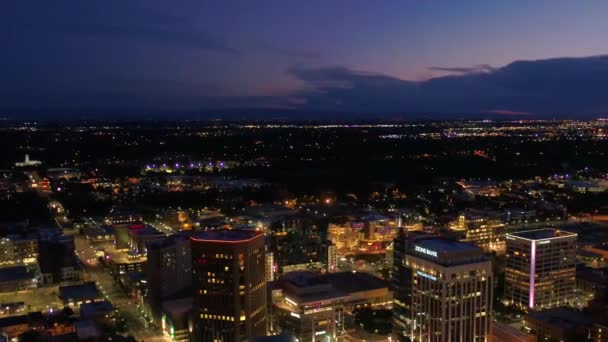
[{"x": 413, "y": 57}]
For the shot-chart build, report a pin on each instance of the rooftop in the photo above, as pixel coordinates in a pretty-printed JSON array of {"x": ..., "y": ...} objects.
[
  {"x": 275, "y": 338},
  {"x": 444, "y": 251},
  {"x": 78, "y": 292},
  {"x": 95, "y": 308},
  {"x": 542, "y": 234},
  {"x": 227, "y": 235},
  {"x": 16, "y": 273},
  {"x": 177, "y": 307},
  {"x": 562, "y": 317},
  {"x": 350, "y": 282},
  {"x": 13, "y": 320},
  {"x": 144, "y": 230},
  {"x": 443, "y": 245}
]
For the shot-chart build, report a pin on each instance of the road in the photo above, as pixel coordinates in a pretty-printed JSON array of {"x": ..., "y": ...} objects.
[{"x": 113, "y": 292}]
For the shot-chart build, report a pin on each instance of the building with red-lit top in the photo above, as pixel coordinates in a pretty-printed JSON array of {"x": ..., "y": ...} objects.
[{"x": 229, "y": 285}]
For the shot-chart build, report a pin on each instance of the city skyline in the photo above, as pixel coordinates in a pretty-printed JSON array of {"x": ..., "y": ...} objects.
[{"x": 319, "y": 171}]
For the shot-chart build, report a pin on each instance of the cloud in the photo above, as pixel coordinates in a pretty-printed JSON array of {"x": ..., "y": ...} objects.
[
  {"x": 122, "y": 20},
  {"x": 561, "y": 86},
  {"x": 508, "y": 112},
  {"x": 480, "y": 68},
  {"x": 288, "y": 51},
  {"x": 174, "y": 35}
]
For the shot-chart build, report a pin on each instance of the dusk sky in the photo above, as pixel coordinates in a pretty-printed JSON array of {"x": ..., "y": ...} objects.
[{"x": 339, "y": 56}]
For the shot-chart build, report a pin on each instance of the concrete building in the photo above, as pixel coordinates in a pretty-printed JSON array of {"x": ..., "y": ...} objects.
[
  {"x": 540, "y": 269},
  {"x": 229, "y": 280}
]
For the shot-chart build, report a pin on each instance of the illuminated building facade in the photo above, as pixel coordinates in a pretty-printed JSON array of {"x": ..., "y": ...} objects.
[
  {"x": 312, "y": 306},
  {"x": 481, "y": 229},
  {"x": 451, "y": 296},
  {"x": 344, "y": 236},
  {"x": 229, "y": 280},
  {"x": 309, "y": 308},
  {"x": 270, "y": 266},
  {"x": 18, "y": 249},
  {"x": 332, "y": 258},
  {"x": 540, "y": 270}
]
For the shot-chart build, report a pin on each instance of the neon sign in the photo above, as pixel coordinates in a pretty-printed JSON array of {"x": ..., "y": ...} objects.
[
  {"x": 425, "y": 251},
  {"x": 426, "y": 275}
]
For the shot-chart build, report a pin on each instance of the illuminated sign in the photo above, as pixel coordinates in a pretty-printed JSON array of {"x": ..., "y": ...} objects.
[
  {"x": 294, "y": 314},
  {"x": 543, "y": 242},
  {"x": 425, "y": 251},
  {"x": 426, "y": 275}
]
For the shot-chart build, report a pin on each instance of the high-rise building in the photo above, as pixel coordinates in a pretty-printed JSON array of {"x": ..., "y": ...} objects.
[
  {"x": 270, "y": 267},
  {"x": 168, "y": 267},
  {"x": 540, "y": 270},
  {"x": 229, "y": 280},
  {"x": 451, "y": 290},
  {"x": 481, "y": 228},
  {"x": 401, "y": 284},
  {"x": 332, "y": 258}
]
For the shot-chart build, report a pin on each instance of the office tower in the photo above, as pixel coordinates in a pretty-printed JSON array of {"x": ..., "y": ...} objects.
[
  {"x": 451, "y": 290},
  {"x": 481, "y": 228},
  {"x": 229, "y": 280},
  {"x": 401, "y": 284},
  {"x": 270, "y": 266},
  {"x": 540, "y": 269},
  {"x": 332, "y": 257},
  {"x": 168, "y": 267}
]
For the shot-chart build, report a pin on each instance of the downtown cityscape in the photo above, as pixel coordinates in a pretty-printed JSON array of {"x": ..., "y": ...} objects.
[
  {"x": 220, "y": 231},
  {"x": 303, "y": 171}
]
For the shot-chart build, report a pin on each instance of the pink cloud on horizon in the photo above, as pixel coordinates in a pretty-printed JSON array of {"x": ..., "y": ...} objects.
[{"x": 509, "y": 112}]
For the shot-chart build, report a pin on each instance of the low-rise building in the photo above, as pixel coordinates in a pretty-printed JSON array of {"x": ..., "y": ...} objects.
[
  {"x": 75, "y": 295},
  {"x": 312, "y": 306},
  {"x": 503, "y": 332},
  {"x": 175, "y": 322},
  {"x": 559, "y": 324},
  {"x": 17, "y": 278}
]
